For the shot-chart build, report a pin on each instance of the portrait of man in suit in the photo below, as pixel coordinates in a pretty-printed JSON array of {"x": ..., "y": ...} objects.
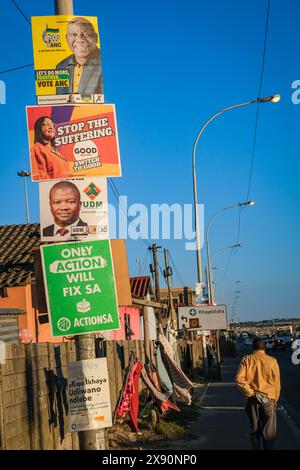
[
  {"x": 65, "y": 206},
  {"x": 84, "y": 64}
]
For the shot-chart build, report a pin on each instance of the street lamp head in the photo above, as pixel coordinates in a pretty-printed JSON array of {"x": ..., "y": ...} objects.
[
  {"x": 24, "y": 173},
  {"x": 236, "y": 245},
  {"x": 276, "y": 98},
  {"x": 273, "y": 98},
  {"x": 247, "y": 203}
]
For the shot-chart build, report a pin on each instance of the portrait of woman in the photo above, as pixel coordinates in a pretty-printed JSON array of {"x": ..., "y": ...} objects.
[{"x": 46, "y": 161}]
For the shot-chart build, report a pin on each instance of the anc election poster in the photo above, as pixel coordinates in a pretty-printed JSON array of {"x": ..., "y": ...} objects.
[
  {"x": 89, "y": 395},
  {"x": 69, "y": 141},
  {"x": 67, "y": 59},
  {"x": 74, "y": 209},
  {"x": 80, "y": 287}
]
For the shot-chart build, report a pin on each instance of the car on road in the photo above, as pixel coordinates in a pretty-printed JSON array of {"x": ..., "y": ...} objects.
[
  {"x": 279, "y": 344},
  {"x": 288, "y": 339}
]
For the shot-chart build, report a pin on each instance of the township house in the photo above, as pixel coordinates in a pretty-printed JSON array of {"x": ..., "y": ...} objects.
[{"x": 22, "y": 296}]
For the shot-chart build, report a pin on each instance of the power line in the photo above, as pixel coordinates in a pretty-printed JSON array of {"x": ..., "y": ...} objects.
[
  {"x": 15, "y": 68},
  {"x": 22, "y": 66},
  {"x": 117, "y": 196},
  {"x": 255, "y": 133},
  {"x": 144, "y": 262},
  {"x": 227, "y": 267},
  {"x": 259, "y": 96},
  {"x": 22, "y": 13},
  {"x": 179, "y": 276},
  {"x": 162, "y": 273}
]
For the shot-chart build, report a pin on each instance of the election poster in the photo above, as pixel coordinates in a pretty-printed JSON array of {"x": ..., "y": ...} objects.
[
  {"x": 67, "y": 59},
  {"x": 74, "y": 209},
  {"x": 89, "y": 395},
  {"x": 80, "y": 287},
  {"x": 73, "y": 141}
]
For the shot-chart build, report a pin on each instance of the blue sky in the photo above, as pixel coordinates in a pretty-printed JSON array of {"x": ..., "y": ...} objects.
[{"x": 168, "y": 66}]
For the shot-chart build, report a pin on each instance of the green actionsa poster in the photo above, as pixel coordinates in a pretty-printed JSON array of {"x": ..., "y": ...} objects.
[{"x": 80, "y": 287}]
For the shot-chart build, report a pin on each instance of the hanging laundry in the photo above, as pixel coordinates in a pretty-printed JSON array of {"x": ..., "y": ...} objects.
[
  {"x": 160, "y": 398},
  {"x": 129, "y": 402},
  {"x": 182, "y": 382},
  {"x": 163, "y": 375}
]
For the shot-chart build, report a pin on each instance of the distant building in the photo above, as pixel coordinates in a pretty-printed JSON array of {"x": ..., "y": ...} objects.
[{"x": 182, "y": 296}]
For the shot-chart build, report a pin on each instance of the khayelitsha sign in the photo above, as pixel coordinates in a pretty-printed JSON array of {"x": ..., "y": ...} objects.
[{"x": 80, "y": 287}]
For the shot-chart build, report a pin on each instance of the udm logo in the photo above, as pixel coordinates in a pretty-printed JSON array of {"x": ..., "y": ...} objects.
[
  {"x": 51, "y": 37},
  {"x": 92, "y": 191}
]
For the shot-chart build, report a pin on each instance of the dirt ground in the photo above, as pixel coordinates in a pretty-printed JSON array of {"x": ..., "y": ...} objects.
[{"x": 173, "y": 430}]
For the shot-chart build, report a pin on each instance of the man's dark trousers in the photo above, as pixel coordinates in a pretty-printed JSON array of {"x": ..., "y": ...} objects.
[{"x": 263, "y": 423}]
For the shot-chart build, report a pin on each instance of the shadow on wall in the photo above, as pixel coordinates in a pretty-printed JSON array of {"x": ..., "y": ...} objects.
[{"x": 57, "y": 392}]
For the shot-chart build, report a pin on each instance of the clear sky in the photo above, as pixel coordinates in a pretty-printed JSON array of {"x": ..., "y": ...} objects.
[{"x": 168, "y": 65}]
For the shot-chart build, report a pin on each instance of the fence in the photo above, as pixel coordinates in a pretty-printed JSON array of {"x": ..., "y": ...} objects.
[{"x": 33, "y": 392}]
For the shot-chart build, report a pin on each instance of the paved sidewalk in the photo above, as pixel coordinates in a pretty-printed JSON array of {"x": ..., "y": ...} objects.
[{"x": 223, "y": 423}]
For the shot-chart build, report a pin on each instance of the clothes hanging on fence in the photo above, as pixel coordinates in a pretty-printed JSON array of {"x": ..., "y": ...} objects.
[
  {"x": 130, "y": 395},
  {"x": 182, "y": 395},
  {"x": 182, "y": 382},
  {"x": 163, "y": 375},
  {"x": 159, "y": 397},
  {"x": 169, "y": 345},
  {"x": 152, "y": 373}
]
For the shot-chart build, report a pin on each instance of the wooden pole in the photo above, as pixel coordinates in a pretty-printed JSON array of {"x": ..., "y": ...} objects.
[
  {"x": 63, "y": 7},
  {"x": 93, "y": 439},
  {"x": 146, "y": 335},
  {"x": 168, "y": 274},
  {"x": 85, "y": 344}
]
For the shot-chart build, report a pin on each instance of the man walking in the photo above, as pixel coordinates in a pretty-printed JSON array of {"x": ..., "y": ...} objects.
[{"x": 258, "y": 378}]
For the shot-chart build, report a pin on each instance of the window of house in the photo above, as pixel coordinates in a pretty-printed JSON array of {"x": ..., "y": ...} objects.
[{"x": 3, "y": 292}]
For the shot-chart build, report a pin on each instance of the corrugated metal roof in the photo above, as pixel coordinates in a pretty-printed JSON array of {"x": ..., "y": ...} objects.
[
  {"x": 140, "y": 286},
  {"x": 16, "y": 253},
  {"x": 11, "y": 311}
]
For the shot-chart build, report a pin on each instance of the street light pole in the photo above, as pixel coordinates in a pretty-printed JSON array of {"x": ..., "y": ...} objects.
[
  {"x": 25, "y": 174},
  {"x": 210, "y": 288},
  {"x": 274, "y": 99}
]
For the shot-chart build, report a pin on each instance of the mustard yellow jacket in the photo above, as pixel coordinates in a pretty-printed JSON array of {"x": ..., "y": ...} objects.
[{"x": 259, "y": 372}]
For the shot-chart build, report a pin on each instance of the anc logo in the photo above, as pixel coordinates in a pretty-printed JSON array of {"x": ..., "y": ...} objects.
[
  {"x": 92, "y": 191},
  {"x": 51, "y": 37}
]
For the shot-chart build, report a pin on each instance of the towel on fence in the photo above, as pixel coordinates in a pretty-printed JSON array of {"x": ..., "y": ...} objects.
[
  {"x": 163, "y": 375},
  {"x": 159, "y": 397},
  {"x": 182, "y": 382},
  {"x": 130, "y": 398},
  {"x": 171, "y": 338},
  {"x": 182, "y": 395}
]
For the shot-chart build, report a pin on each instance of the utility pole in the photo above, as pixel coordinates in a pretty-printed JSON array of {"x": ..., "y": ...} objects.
[
  {"x": 85, "y": 344},
  {"x": 154, "y": 249},
  {"x": 63, "y": 7},
  {"x": 93, "y": 439},
  {"x": 146, "y": 333},
  {"x": 167, "y": 274}
]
